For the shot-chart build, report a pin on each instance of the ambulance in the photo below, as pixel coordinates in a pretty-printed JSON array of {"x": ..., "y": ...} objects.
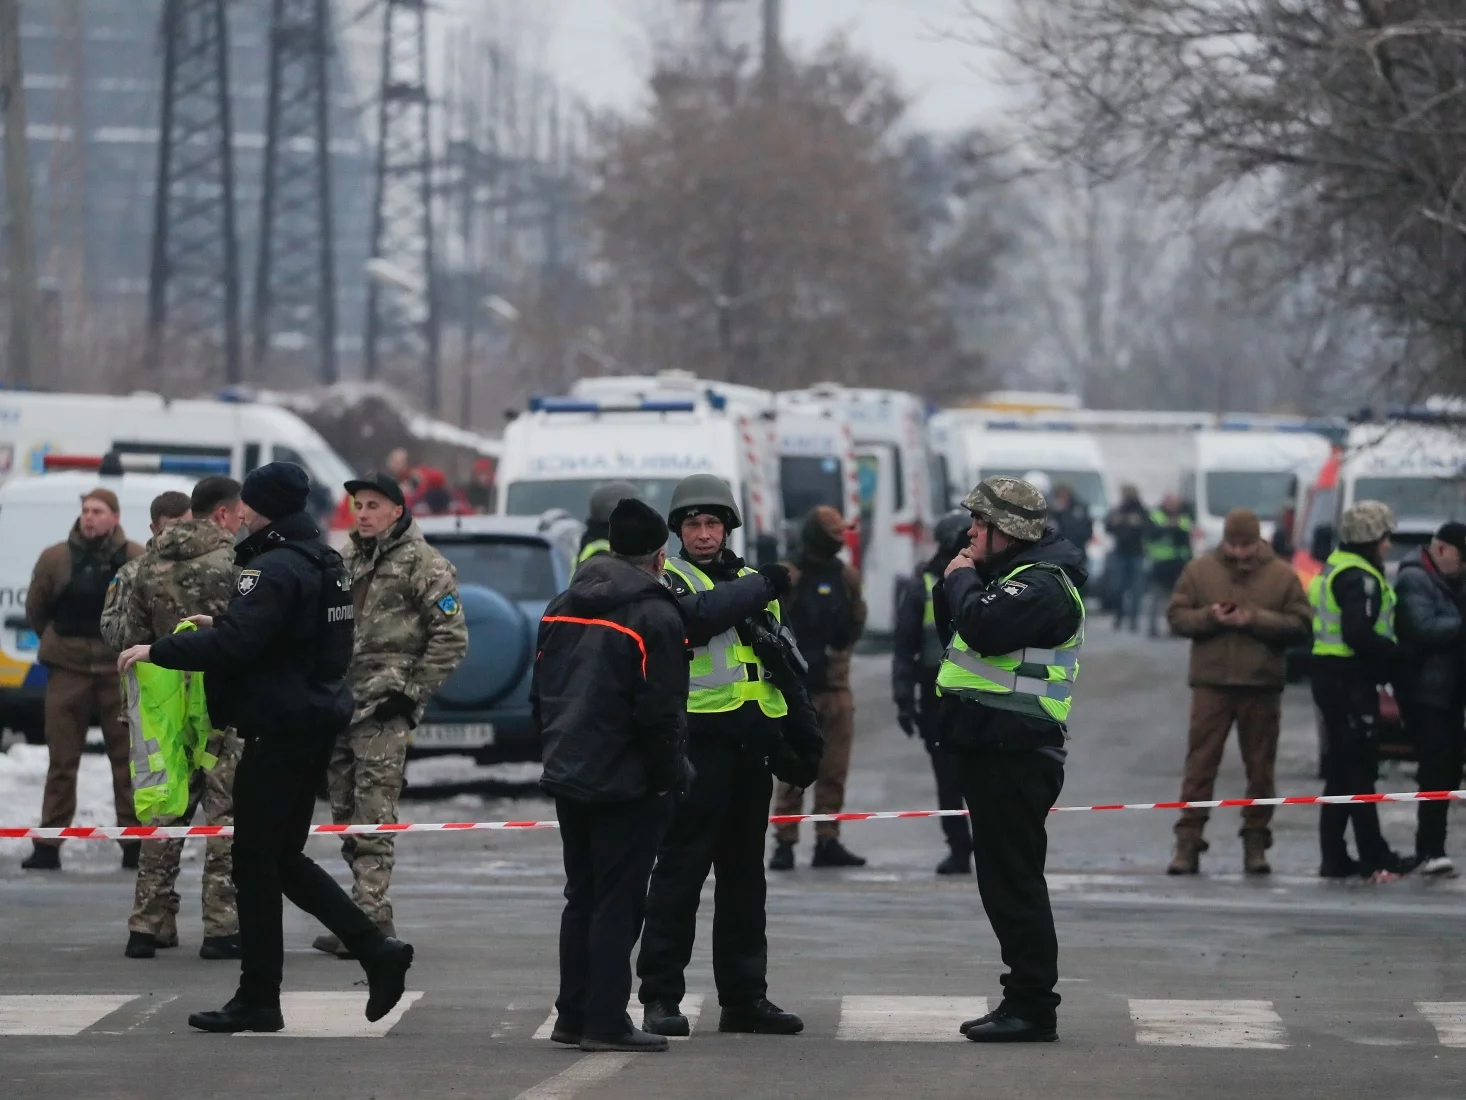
[
  {"x": 1242, "y": 465},
  {"x": 817, "y": 466}
]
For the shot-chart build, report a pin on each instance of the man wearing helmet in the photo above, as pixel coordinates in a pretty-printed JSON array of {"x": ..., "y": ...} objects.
[
  {"x": 733, "y": 726},
  {"x": 1354, "y": 651},
  {"x": 597, "y": 537},
  {"x": 923, "y": 629},
  {"x": 1006, "y": 684}
]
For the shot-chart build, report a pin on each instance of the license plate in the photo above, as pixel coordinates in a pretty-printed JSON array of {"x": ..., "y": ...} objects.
[
  {"x": 468, "y": 736},
  {"x": 26, "y": 641}
]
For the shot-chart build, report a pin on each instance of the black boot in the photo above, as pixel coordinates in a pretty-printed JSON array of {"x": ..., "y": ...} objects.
[
  {"x": 386, "y": 972},
  {"x": 665, "y": 1018},
  {"x": 1004, "y": 1027},
  {"x": 783, "y": 857},
  {"x": 630, "y": 1041},
  {"x": 43, "y": 857},
  {"x": 567, "y": 1031},
  {"x": 955, "y": 864},
  {"x": 239, "y": 1016},
  {"x": 829, "y": 852},
  {"x": 221, "y": 947},
  {"x": 760, "y": 1018},
  {"x": 968, "y": 1025},
  {"x": 131, "y": 851},
  {"x": 141, "y": 945}
]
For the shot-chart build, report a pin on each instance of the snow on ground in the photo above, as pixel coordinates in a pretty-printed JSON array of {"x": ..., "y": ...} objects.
[{"x": 22, "y": 777}]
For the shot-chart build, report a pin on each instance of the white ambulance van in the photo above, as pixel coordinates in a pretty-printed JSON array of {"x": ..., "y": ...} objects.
[
  {"x": 1418, "y": 469},
  {"x": 817, "y": 466},
  {"x": 1240, "y": 465}
]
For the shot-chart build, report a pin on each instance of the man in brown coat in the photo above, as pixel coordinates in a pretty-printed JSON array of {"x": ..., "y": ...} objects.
[
  {"x": 64, "y": 606},
  {"x": 1241, "y": 606}
]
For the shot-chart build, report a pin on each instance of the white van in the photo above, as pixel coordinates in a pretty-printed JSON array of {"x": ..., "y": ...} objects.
[
  {"x": 33, "y": 425},
  {"x": 1418, "y": 469},
  {"x": 563, "y": 447},
  {"x": 37, "y": 512},
  {"x": 817, "y": 465},
  {"x": 1245, "y": 467}
]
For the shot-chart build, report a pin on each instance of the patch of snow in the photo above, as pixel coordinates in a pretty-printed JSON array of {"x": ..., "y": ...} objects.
[{"x": 22, "y": 779}]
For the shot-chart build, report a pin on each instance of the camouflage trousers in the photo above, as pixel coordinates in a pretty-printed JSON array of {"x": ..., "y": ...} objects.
[
  {"x": 365, "y": 780},
  {"x": 155, "y": 900}
]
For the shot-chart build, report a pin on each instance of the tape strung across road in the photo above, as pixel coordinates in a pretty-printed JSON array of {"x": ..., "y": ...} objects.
[{"x": 176, "y": 832}]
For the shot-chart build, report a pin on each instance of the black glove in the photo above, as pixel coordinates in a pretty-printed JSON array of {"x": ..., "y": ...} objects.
[
  {"x": 778, "y": 576},
  {"x": 396, "y": 705},
  {"x": 906, "y": 716}
]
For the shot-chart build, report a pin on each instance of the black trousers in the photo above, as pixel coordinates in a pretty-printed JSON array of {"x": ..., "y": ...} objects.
[
  {"x": 1439, "y": 736},
  {"x": 274, "y": 798},
  {"x": 609, "y": 851},
  {"x": 720, "y": 825},
  {"x": 945, "y": 770},
  {"x": 1009, "y": 795},
  {"x": 1350, "y": 709}
]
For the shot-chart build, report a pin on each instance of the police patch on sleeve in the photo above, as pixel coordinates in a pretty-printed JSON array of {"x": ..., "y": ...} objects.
[
  {"x": 449, "y": 605},
  {"x": 248, "y": 578},
  {"x": 1014, "y": 588}
]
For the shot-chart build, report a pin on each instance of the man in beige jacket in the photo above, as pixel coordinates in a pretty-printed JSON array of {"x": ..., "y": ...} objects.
[{"x": 1241, "y": 606}]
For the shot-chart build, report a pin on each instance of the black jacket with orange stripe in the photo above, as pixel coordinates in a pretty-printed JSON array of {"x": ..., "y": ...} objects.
[{"x": 609, "y": 694}]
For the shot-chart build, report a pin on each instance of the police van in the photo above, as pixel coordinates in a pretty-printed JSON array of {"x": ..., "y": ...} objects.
[
  {"x": 1242, "y": 465},
  {"x": 817, "y": 466},
  {"x": 37, "y": 512}
]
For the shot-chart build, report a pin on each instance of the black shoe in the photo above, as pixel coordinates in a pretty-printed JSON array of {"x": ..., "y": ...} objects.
[
  {"x": 955, "y": 865},
  {"x": 221, "y": 947},
  {"x": 1345, "y": 868},
  {"x": 968, "y": 1025},
  {"x": 829, "y": 852},
  {"x": 43, "y": 857},
  {"x": 386, "y": 972},
  {"x": 1004, "y": 1027},
  {"x": 630, "y": 1042},
  {"x": 760, "y": 1018},
  {"x": 141, "y": 945},
  {"x": 783, "y": 857},
  {"x": 567, "y": 1031},
  {"x": 238, "y": 1016},
  {"x": 131, "y": 850},
  {"x": 665, "y": 1018}
]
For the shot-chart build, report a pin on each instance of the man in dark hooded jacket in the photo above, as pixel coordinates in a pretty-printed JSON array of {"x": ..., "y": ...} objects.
[{"x": 609, "y": 699}]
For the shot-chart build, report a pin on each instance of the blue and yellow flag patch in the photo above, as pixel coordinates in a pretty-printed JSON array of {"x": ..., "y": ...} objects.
[{"x": 449, "y": 605}]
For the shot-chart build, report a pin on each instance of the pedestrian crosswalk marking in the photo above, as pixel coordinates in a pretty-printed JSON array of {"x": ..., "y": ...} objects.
[
  {"x": 906, "y": 1019},
  {"x": 1177, "y": 1023},
  {"x": 334, "y": 1016},
  {"x": 56, "y": 1013},
  {"x": 691, "y": 1008},
  {"x": 1449, "y": 1018}
]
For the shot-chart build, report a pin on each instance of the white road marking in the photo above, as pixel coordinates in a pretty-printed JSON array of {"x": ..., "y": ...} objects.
[
  {"x": 333, "y": 1016},
  {"x": 691, "y": 1008},
  {"x": 56, "y": 1013},
  {"x": 1176, "y": 1023},
  {"x": 906, "y": 1019},
  {"x": 1449, "y": 1018},
  {"x": 587, "y": 1071}
]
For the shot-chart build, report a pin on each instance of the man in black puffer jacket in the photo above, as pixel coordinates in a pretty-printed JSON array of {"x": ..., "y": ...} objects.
[{"x": 1429, "y": 625}]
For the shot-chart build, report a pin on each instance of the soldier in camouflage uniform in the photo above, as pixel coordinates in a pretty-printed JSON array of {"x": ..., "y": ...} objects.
[
  {"x": 188, "y": 570},
  {"x": 167, "y": 509},
  {"x": 410, "y": 636}
]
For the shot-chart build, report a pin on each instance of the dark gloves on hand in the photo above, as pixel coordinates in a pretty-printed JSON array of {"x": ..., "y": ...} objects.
[
  {"x": 906, "y": 716},
  {"x": 396, "y": 705},
  {"x": 778, "y": 576}
]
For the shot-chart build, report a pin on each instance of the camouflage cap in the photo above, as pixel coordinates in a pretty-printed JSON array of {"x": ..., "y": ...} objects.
[
  {"x": 1367, "y": 521},
  {"x": 1011, "y": 505}
]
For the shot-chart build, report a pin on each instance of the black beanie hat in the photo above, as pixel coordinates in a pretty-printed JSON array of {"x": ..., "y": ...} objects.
[
  {"x": 1453, "y": 533},
  {"x": 636, "y": 528},
  {"x": 276, "y": 489}
]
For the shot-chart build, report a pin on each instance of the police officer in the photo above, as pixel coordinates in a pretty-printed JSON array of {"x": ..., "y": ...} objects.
[
  {"x": 1006, "y": 682},
  {"x": 596, "y": 539},
  {"x": 923, "y": 628},
  {"x": 410, "y": 636},
  {"x": 1354, "y": 651},
  {"x": 733, "y": 726},
  {"x": 1167, "y": 550},
  {"x": 275, "y": 665}
]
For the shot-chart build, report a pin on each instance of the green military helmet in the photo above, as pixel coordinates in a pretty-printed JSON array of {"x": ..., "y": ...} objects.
[
  {"x": 702, "y": 493},
  {"x": 604, "y": 500},
  {"x": 1011, "y": 505},
  {"x": 1367, "y": 521}
]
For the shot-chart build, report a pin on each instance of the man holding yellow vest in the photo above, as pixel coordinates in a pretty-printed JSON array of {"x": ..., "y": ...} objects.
[
  {"x": 734, "y": 719},
  {"x": 1006, "y": 683},
  {"x": 1354, "y": 651}
]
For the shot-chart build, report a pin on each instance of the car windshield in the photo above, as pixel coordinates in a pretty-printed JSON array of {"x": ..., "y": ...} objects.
[
  {"x": 530, "y": 498},
  {"x": 1435, "y": 499},
  {"x": 518, "y": 569},
  {"x": 809, "y": 482},
  {"x": 1265, "y": 492},
  {"x": 1088, "y": 485}
]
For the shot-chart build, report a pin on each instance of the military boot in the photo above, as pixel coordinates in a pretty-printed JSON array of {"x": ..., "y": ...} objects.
[
  {"x": 1254, "y": 854},
  {"x": 43, "y": 857},
  {"x": 221, "y": 947},
  {"x": 783, "y": 857},
  {"x": 829, "y": 852},
  {"x": 1186, "y": 860},
  {"x": 141, "y": 945},
  {"x": 328, "y": 943}
]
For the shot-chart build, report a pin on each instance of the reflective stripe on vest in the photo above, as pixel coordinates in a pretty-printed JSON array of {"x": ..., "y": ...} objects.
[
  {"x": 592, "y": 548},
  {"x": 169, "y": 728},
  {"x": 1328, "y": 617},
  {"x": 719, "y": 672},
  {"x": 1164, "y": 548},
  {"x": 932, "y": 646},
  {"x": 1035, "y": 682}
]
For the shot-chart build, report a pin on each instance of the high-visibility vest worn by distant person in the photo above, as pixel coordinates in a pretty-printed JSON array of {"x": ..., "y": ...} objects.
[
  {"x": 725, "y": 673},
  {"x": 1038, "y": 683},
  {"x": 1328, "y": 617},
  {"x": 168, "y": 720},
  {"x": 591, "y": 549}
]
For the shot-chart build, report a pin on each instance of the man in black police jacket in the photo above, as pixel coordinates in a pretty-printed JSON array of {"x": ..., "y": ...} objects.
[{"x": 275, "y": 666}]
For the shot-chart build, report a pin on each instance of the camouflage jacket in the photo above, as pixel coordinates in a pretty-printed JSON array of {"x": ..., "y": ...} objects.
[
  {"x": 410, "y": 633},
  {"x": 114, "y": 611},
  {"x": 187, "y": 570}
]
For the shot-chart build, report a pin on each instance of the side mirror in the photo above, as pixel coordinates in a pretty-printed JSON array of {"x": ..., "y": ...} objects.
[{"x": 1323, "y": 542}]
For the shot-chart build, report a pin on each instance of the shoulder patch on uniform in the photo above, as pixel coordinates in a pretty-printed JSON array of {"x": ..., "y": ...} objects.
[
  {"x": 248, "y": 578},
  {"x": 112, "y": 583},
  {"x": 1014, "y": 588},
  {"x": 824, "y": 588},
  {"x": 449, "y": 605}
]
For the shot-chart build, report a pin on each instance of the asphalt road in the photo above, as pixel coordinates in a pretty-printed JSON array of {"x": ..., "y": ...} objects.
[{"x": 1200, "y": 988}]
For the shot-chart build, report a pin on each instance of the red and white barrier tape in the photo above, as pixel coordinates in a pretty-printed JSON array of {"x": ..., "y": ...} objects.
[{"x": 177, "y": 832}]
